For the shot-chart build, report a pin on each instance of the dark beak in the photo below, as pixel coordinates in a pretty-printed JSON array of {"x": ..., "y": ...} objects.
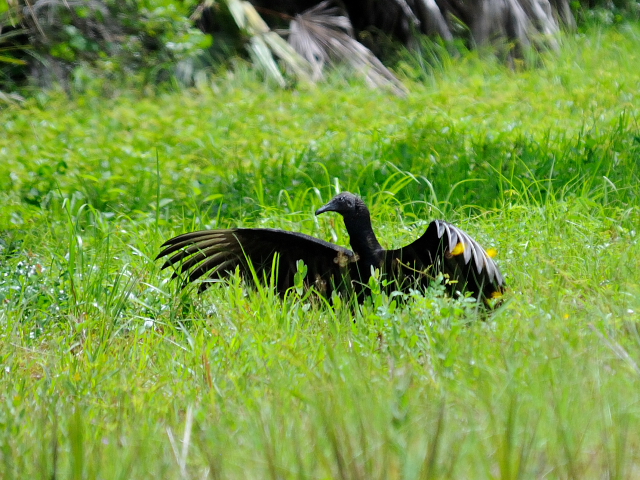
[{"x": 329, "y": 207}]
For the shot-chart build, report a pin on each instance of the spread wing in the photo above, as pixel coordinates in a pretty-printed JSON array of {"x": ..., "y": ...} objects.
[
  {"x": 447, "y": 249},
  {"x": 217, "y": 253}
]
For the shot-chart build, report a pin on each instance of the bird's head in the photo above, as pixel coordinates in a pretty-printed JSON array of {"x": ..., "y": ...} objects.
[{"x": 346, "y": 204}]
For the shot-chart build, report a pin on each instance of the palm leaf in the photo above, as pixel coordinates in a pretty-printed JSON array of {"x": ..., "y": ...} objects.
[
  {"x": 264, "y": 43},
  {"x": 324, "y": 35}
]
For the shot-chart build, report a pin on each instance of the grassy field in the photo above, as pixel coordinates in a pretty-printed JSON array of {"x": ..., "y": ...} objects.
[{"x": 108, "y": 371}]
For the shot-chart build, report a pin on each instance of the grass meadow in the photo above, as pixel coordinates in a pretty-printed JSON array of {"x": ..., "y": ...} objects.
[{"x": 109, "y": 371}]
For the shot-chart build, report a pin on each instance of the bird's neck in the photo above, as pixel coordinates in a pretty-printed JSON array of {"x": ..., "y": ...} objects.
[{"x": 363, "y": 240}]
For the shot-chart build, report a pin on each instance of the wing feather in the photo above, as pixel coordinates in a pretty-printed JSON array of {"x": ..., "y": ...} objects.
[
  {"x": 218, "y": 253},
  {"x": 445, "y": 248},
  {"x": 453, "y": 237},
  {"x": 212, "y": 259}
]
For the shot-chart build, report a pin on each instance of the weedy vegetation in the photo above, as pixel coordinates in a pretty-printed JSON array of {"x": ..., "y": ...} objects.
[{"x": 108, "y": 370}]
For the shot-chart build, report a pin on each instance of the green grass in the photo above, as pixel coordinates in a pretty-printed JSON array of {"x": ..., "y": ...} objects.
[{"x": 107, "y": 371}]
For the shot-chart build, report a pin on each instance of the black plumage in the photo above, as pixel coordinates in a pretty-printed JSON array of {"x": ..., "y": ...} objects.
[{"x": 443, "y": 248}]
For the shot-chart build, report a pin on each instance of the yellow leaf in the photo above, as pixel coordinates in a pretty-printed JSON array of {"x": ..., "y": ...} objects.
[{"x": 459, "y": 248}]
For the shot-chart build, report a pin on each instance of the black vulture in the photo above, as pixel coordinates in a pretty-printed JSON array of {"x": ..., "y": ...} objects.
[{"x": 443, "y": 249}]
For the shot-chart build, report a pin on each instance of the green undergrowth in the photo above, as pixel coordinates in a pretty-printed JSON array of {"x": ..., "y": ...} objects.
[
  {"x": 108, "y": 370},
  {"x": 572, "y": 121}
]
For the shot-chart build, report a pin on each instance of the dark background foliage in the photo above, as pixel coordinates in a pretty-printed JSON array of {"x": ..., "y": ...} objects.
[{"x": 45, "y": 43}]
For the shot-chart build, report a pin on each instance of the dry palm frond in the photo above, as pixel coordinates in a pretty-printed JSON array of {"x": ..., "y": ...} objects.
[
  {"x": 323, "y": 34},
  {"x": 526, "y": 23},
  {"x": 432, "y": 19},
  {"x": 10, "y": 98},
  {"x": 264, "y": 43}
]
